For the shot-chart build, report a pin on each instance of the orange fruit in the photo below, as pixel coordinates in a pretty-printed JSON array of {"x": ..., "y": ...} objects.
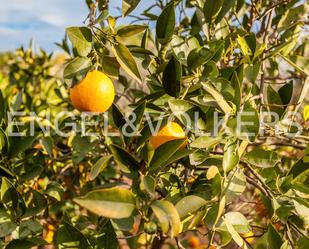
[
  {"x": 194, "y": 242},
  {"x": 95, "y": 93},
  {"x": 249, "y": 237},
  {"x": 49, "y": 235},
  {"x": 171, "y": 131}
]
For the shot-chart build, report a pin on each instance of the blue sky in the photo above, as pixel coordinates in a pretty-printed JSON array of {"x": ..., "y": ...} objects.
[{"x": 43, "y": 20}]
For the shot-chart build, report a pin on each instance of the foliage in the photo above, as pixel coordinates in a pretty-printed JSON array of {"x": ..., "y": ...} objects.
[{"x": 225, "y": 59}]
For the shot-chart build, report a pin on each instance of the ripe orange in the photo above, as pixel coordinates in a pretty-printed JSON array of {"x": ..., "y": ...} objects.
[
  {"x": 95, "y": 93},
  {"x": 249, "y": 237},
  {"x": 194, "y": 242},
  {"x": 171, "y": 131},
  {"x": 49, "y": 235}
]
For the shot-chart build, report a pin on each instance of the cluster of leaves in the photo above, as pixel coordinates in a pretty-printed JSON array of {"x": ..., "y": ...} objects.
[{"x": 228, "y": 57}]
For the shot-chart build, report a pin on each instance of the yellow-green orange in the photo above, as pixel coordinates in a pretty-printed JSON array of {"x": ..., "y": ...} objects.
[
  {"x": 171, "y": 131},
  {"x": 95, "y": 93}
]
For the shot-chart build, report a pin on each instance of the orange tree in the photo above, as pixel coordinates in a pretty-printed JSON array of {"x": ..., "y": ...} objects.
[{"x": 222, "y": 81}]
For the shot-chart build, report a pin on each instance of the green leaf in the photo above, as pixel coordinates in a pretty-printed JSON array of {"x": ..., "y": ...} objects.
[
  {"x": 148, "y": 184},
  {"x": 29, "y": 227},
  {"x": 81, "y": 147},
  {"x": 26, "y": 243},
  {"x": 17, "y": 101},
  {"x": 238, "y": 221},
  {"x": 99, "y": 166},
  {"x": 107, "y": 238},
  {"x": 186, "y": 112},
  {"x": 226, "y": 108},
  {"x": 190, "y": 204},
  {"x": 211, "y": 10},
  {"x": 172, "y": 77},
  {"x": 68, "y": 236},
  {"x": 230, "y": 157},
  {"x": 118, "y": 117},
  {"x": 226, "y": 6},
  {"x": 55, "y": 190},
  {"x": 20, "y": 144},
  {"x": 286, "y": 93},
  {"x": 198, "y": 57},
  {"x": 115, "y": 203},
  {"x": 236, "y": 237},
  {"x": 274, "y": 100},
  {"x": 110, "y": 66},
  {"x": 76, "y": 67},
  {"x": 252, "y": 71},
  {"x": 124, "y": 157},
  {"x": 235, "y": 184},
  {"x": 262, "y": 158},
  {"x": 130, "y": 30},
  {"x": 81, "y": 38},
  {"x": 168, "y": 216},
  {"x": 164, "y": 152},
  {"x": 6, "y": 225},
  {"x": 273, "y": 237},
  {"x": 247, "y": 124},
  {"x": 128, "y": 6},
  {"x": 47, "y": 143},
  {"x": 206, "y": 142},
  {"x": 126, "y": 61},
  {"x": 166, "y": 24},
  {"x": 214, "y": 213},
  {"x": 245, "y": 49}
]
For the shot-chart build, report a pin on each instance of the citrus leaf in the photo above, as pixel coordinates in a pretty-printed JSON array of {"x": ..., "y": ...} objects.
[
  {"x": 124, "y": 157},
  {"x": 226, "y": 6},
  {"x": 165, "y": 152},
  {"x": 238, "y": 221},
  {"x": 126, "y": 61},
  {"x": 168, "y": 216},
  {"x": 99, "y": 166},
  {"x": 205, "y": 142},
  {"x": 211, "y": 10},
  {"x": 262, "y": 158},
  {"x": 128, "y": 6},
  {"x": 198, "y": 57},
  {"x": 236, "y": 237},
  {"x": 166, "y": 24},
  {"x": 184, "y": 209},
  {"x": 77, "y": 66},
  {"x": 230, "y": 157},
  {"x": 115, "y": 203},
  {"x": 226, "y": 108},
  {"x": 81, "y": 38},
  {"x": 130, "y": 30},
  {"x": 68, "y": 236},
  {"x": 172, "y": 77}
]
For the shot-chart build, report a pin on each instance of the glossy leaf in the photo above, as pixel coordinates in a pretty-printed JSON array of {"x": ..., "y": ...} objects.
[
  {"x": 172, "y": 77},
  {"x": 211, "y": 10},
  {"x": 113, "y": 203},
  {"x": 78, "y": 66},
  {"x": 128, "y": 6},
  {"x": 166, "y": 24},
  {"x": 184, "y": 209},
  {"x": 99, "y": 166},
  {"x": 81, "y": 38},
  {"x": 168, "y": 216},
  {"x": 262, "y": 158},
  {"x": 126, "y": 60},
  {"x": 130, "y": 30}
]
